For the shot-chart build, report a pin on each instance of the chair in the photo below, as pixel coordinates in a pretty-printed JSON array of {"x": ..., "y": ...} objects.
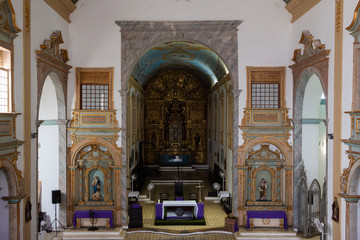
[
  {"x": 193, "y": 196},
  {"x": 164, "y": 196}
]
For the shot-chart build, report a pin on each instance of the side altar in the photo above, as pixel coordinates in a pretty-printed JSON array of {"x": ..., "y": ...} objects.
[
  {"x": 265, "y": 162},
  {"x": 94, "y": 169}
]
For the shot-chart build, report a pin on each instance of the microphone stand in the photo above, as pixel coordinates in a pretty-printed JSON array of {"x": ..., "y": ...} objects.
[{"x": 92, "y": 220}]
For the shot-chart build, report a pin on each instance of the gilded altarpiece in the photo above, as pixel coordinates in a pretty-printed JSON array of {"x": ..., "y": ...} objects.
[
  {"x": 265, "y": 163},
  {"x": 175, "y": 117},
  {"x": 94, "y": 166}
]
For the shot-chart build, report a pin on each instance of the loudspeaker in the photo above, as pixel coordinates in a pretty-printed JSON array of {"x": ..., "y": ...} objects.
[
  {"x": 56, "y": 196},
  {"x": 136, "y": 220}
]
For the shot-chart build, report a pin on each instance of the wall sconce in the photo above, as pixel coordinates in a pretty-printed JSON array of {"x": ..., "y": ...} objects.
[{"x": 331, "y": 136}]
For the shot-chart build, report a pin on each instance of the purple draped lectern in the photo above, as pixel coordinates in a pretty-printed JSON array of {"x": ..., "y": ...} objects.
[
  {"x": 96, "y": 214},
  {"x": 266, "y": 214}
]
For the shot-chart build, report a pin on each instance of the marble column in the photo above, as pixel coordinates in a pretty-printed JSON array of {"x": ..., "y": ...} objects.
[
  {"x": 124, "y": 199},
  {"x": 235, "y": 193}
]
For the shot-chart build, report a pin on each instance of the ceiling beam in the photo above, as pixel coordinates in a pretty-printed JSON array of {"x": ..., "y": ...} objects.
[
  {"x": 298, "y": 8},
  {"x": 63, "y": 8}
]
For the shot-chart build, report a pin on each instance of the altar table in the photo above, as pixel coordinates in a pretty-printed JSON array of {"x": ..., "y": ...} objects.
[
  {"x": 198, "y": 208},
  {"x": 266, "y": 215},
  {"x": 108, "y": 214}
]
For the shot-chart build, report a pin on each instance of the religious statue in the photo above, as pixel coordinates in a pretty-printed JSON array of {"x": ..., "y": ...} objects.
[
  {"x": 28, "y": 207},
  {"x": 197, "y": 140},
  {"x": 335, "y": 210},
  {"x": 262, "y": 187},
  {"x": 96, "y": 196}
]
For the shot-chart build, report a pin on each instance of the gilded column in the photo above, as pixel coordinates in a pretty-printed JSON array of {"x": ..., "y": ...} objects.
[
  {"x": 337, "y": 109},
  {"x": 27, "y": 233}
]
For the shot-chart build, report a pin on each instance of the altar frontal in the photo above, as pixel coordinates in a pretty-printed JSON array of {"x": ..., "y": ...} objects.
[{"x": 179, "y": 213}]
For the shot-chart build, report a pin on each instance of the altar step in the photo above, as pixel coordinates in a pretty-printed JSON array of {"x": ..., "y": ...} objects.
[
  {"x": 265, "y": 234},
  {"x": 102, "y": 233},
  {"x": 175, "y": 169}
]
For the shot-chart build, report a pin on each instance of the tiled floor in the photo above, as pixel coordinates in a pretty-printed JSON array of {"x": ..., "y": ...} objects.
[{"x": 214, "y": 217}]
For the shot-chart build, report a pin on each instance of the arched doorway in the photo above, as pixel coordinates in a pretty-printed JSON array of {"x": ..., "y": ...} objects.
[
  {"x": 151, "y": 34},
  {"x": 52, "y": 74},
  {"x": 50, "y": 143},
  {"x": 310, "y": 75}
]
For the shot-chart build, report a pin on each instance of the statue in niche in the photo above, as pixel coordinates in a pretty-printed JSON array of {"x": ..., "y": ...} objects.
[
  {"x": 153, "y": 140},
  {"x": 197, "y": 140},
  {"x": 262, "y": 188},
  {"x": 96, "y": 196}
]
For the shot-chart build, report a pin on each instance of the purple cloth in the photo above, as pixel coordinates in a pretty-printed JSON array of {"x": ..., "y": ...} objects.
[
  {"x": 200, "y": 214},
  {"x": 158, "y": 210},
  {"x": 97, "y": 214},
  {"x": 266, "y": 214},
  {"x": 135, "y": 205},
  {"x": 179, "y": 198}
]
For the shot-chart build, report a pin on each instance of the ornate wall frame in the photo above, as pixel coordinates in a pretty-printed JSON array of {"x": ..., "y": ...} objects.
[
  {"x": 51, "y": 61},
  {"x": 314, "y": 59}
]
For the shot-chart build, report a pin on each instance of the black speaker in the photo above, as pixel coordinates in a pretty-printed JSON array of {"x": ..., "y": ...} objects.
[
  {"x": 136, "y": 220},
  {"x": 56, "y": 196}
]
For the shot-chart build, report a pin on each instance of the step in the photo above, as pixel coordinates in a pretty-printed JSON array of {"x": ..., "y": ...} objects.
[
  {"x": 266, "y": 234},
  {"x": 102, "y": 233}
]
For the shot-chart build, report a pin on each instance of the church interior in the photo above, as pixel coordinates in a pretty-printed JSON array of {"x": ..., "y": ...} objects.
[{"x": 179, "y": 119}]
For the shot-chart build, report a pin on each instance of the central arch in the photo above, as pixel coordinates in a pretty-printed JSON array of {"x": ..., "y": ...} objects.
[{"x": 138, "y": 38}]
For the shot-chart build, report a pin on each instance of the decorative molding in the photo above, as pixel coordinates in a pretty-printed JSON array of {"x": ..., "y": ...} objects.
[
  {"x": 354, "y": 27},
  {"x": 311, "y": 47},
  {"x": 51, "y": 47},
  {"x": 8, "y": 25},
  {"x": 297, "y": 8},
  {"x": 64, "y": 8},
  {"x": 338, "y": 16}
]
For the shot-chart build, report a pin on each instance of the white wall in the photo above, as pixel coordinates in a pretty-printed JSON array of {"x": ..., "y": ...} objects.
[{"x": 4, "y": 209}]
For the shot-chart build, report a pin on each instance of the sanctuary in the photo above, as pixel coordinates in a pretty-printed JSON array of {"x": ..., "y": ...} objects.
[{"x": 181, "y": 117}]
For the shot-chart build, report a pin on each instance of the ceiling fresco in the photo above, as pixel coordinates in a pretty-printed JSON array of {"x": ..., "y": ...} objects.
[{"x": 189, "y": 56}]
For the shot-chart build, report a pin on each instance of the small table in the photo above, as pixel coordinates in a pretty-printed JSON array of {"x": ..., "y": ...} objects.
[
  {"x": 97, "y": 214},
  {"x": 133, "y": 194},
  {"x": 266, "y": 215}
]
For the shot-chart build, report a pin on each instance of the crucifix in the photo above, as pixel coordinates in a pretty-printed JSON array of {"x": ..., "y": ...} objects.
[{"x": 200, "y": 198}]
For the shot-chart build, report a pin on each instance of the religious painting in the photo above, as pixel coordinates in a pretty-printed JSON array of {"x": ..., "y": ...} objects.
[
  {"x": 96, "y": 178},
  {"x": 263, "y": 187}
]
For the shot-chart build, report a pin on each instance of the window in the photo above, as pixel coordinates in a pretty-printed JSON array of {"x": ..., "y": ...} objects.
[
  {"x": 4, "y": 90},
  {"x": 94, "y": 88},
  {"x": 95, "y": 97},
  {"x": 5, "y": 80},
  {"x": 265, "y": 87},
  {"x": 264, "y": 95}
]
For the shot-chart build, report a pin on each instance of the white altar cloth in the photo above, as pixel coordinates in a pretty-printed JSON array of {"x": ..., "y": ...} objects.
[{"x": 191, "y": 203}]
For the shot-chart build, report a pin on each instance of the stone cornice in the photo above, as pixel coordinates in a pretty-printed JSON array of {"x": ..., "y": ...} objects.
[
  {"x": 178, "y": 25},
  {"x": 62, "y": 7},
  {"x": 298, "y": 8}
]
